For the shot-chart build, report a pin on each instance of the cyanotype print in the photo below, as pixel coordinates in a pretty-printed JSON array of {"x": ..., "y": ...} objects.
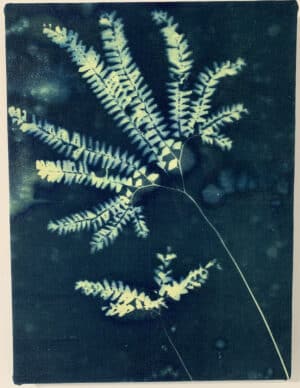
[{"x": 151, "y": 167}]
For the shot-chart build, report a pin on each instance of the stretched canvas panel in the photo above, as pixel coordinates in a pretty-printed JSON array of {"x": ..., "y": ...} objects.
[{"x": 151, "y": 190}]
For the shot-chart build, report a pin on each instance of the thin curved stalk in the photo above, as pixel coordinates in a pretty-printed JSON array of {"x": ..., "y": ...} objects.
[
  {"x": 244, "y": 280},
  {"x": 176, "y": 350},
  {"x": 236, "y": 265}
]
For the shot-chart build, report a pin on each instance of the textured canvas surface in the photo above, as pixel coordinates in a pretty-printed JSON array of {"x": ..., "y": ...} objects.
[{"x": 209, "y": 187}]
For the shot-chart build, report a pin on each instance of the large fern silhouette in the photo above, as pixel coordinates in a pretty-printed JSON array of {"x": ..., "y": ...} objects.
[
  {"x": 123, "y": 92},
  {"x": 117, "y": 82}
]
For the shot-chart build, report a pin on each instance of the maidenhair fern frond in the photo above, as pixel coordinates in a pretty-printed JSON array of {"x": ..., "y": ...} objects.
[
  {"x": 118, "y": 83},
  {"x": 206, "y": 86},
  {"x": 68, "y": 172},
  {"x": 75, "y": 145},
  {"x": 210, "y": 129},
  {"x": 163, "y": 273},
  {"x": 92, "y": 219},
  {"x": 119, "y": 58},
  {"x": 107, "y": 234},
  {"x": 106, "y": 221},
  {"x": 121, "y": 300},
  {"x": 180, "y": 62},
  {"x": 194, "y": 279},
  {"x": 178, "y": 52}
]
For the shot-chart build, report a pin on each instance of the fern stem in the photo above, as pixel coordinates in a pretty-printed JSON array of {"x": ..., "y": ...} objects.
[
  {"x": 244, "y": 280},
  {"x": 181, "y": 175},
  {"x": 175, "y": 350},
  {"x": 237, "y": 267}
]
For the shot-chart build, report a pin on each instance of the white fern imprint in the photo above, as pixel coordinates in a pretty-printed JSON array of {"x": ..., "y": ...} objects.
[{"x": 118, "y": 83}]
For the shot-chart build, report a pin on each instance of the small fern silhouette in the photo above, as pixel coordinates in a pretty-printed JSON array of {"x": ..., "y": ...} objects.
[
  {"x": 124, "y": 300},
  {"x": 121, "y": 89}
]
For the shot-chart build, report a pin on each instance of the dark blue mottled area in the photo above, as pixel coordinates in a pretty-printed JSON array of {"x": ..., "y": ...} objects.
[{"x": 61, "y": 336}]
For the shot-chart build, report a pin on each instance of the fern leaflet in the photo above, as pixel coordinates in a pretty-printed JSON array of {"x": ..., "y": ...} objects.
[
  {"x": 206, "y": 86},
  {"x": 107, "y": 234},
  {"x": 76, "y": 146},
  {"x": 90, "y": 219},
  {"x": 139, "y": 224},
  {"x": 179, "y": 57},
  {"x": 210, "y": 129},
  {"x": 68, "y": 172}
]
